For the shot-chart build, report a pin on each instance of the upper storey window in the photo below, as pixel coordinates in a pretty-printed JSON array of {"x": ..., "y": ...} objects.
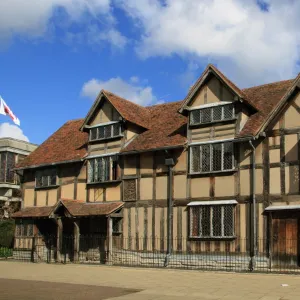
[
  {"x": 211, "y": 114},
  {"x": 103, "y": 169},
  {"x": 7, "y": 164},
  {"x": 45, "y": 178},
  {"x": 214, "y": 157},
  {"x": 106, "y": 131}
]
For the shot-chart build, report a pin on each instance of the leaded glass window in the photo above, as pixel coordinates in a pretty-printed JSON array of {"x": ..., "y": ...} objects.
[
  {"x": 101, "y": 169},
  {"x": 7, "y": 164},
  {"x": 105, "y": 132},
  {"x": 212, "y": 221},
  {"x": 212, "y": 114},
  {"x": 212, "y": 157},
  {"x": 46, "y": 177}
]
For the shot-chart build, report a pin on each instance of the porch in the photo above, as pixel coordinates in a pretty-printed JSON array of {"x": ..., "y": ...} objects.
[{"x": 70, "y": 231}]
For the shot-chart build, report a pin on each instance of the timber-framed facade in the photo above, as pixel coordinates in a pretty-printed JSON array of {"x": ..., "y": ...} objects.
[{"x": 217, "y": 171}]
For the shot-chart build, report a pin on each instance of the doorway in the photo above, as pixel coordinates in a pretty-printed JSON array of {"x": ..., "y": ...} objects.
[{"x": 285, "y": 240}]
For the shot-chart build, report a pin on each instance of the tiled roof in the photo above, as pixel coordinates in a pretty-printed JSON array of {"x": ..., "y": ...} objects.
[
  {"x": 76, "y": 208},
  {"x": 132, "y": 112},
  {"x": 266, "y": 97},
  {"x": 79, "y": 209},
  {"x": 33, "y": 212},
  {"x": 164, "y": 125},
  {"x": 68, "y": 143},
  {"x": 167, "y": 129}
]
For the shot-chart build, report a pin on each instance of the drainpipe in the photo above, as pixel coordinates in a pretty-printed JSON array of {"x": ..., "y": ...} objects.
[
  {"x": 253, "y": 250},
  {"x": 169, "y": 162}
]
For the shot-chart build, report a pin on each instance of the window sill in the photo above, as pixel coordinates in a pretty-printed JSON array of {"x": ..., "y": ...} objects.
[
  {"x": 105, "y": 139},
  {"x": 213, "y": 122},
  {"x": 104, "y": 182},
  {"x": 46, "y": 187},
  {"x": 220, "y": 238},
  {"x": 212, "y": 172},
  {"x": 11, "y": 185}
]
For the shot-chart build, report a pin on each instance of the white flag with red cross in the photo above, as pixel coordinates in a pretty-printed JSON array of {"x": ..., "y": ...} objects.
[{"x": 5, "y": 110}]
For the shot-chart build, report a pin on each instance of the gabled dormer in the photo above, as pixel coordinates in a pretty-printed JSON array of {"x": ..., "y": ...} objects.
[
  {"x": 112, "y": 123},
  {"x": 217, "y": 110},
  {"x": 214, "y": 105}
]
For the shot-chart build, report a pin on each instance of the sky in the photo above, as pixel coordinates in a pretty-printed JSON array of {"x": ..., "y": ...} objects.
[{"x": 56, "y": 55}]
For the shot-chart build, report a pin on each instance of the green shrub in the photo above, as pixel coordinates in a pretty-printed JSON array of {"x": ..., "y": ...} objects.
[
  {"x": 7, "y": 229},
  {"x": 5, "y": 252}
]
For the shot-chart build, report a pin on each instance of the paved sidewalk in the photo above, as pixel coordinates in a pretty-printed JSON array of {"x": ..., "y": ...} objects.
[{"x": 161, "y": 284}]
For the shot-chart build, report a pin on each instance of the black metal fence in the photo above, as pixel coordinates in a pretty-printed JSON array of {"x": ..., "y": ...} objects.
[{"x": 281, "y": 256}]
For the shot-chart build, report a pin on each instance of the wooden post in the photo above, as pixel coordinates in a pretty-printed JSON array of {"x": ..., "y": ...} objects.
[
  {"x": 110, "y": 241},
  {"x": 59, "y": 239},
  {"x": 76, "y": 240}
]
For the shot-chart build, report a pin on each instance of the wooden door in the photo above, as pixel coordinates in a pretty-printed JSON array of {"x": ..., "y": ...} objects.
[{"x": 285, "y": 242}]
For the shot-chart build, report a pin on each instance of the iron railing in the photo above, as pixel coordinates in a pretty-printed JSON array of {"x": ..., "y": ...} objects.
[{"x": 281, "y": 256}]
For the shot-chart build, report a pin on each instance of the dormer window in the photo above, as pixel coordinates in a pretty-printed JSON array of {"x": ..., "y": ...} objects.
[
  {"x": 215, "y": 113},
  {"x": 105, "y": 131}
]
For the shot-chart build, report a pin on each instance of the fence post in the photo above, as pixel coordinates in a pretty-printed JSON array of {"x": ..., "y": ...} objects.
[
  {"x": 32, "y": 249},
  {"x": 49, "y": 250}
]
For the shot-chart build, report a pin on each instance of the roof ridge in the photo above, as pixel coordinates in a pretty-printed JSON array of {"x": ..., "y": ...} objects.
[
  {"x": 74, "y": 120},
  {"x": 270, "y": 83},
  {"x": 106, "y": 91},
  {"x": 165, "y": 103}
]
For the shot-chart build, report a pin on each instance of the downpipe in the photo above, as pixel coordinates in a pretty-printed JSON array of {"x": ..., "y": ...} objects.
[
  {"x": 169, "y": 163},
  {"x": 253, "y": 250}
]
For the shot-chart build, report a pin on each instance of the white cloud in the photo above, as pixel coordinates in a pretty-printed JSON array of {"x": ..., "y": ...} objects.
[
  {"x": 13, "y": 131},
  {"x": 114, "y": 37},
  {"x": 134, "y": 79},
  {"x": 33, "y": 19},
  {"x": 142, "y": 95},
  {"x": 250, "y": 44}
]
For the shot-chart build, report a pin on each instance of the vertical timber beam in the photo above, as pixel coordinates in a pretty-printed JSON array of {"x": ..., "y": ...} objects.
[
  {"x": 266, "y": 172},
  {"x": 282, "y": 156},
  {"x": 76, "y": 240},
  {"x": 153, "y": 201},
  {"x": 59, "y": 239},
  {"x": 138, "y": 182},
  {"x": 298, "y": 145},
  {"x": 110, "y": 238}
]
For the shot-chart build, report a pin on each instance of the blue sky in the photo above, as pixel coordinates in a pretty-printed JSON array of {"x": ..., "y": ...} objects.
[{"x": 55, "y": 57}]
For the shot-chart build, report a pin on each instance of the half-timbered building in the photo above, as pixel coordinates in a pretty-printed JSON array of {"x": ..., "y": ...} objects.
[{"x": 215, "y": 172}]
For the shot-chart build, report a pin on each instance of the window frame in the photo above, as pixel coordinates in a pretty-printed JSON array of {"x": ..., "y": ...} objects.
[
  {"x": 113, "y": 169},
  {"x": 212, "y": 108},
  {"x": 211, "y": 157},
  {"x": 112, "y": 136},
  {"x": 211, "y": 225},
  {"x": 8, "y": 169},
  {"x": 24, "y": 226},
  {"x": 48, "y": 173}
]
